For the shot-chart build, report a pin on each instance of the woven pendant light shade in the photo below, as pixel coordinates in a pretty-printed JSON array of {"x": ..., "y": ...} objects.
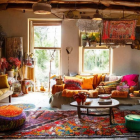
[{"x": 41, "y": 8}]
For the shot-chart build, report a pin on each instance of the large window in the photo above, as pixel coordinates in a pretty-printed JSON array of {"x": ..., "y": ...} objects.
[
  {"x": 47, "y": 47},
  {"x": 96, "y": 60}
]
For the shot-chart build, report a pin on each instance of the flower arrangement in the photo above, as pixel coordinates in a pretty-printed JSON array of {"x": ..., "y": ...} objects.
[
  {"x": 80, "y": 97},
  {"x": 11, "y": 63}
]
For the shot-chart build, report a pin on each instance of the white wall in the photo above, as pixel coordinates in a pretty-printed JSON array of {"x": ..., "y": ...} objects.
[{"x": 14, "y": 23}]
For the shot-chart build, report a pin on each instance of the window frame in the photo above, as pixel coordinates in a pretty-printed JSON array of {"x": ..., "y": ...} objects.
[
  {"x": 97, "y": 47},
  {"x": 47, "y": 23}
]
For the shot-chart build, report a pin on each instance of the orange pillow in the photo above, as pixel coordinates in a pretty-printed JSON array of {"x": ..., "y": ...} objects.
[{"x": 87, "y": 82}]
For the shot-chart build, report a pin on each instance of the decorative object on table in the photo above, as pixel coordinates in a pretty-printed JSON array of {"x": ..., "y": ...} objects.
[
  {"x": 26, "y": 84},
  {"x": 104, "y": 96},
  {"x": 16, "y": 87},
  {"x": 132, "y": 122},
  {"x": 105, "y": 99},
  {"x": 42, "y": 88},
  {"x": 122, "y": 31},
  {"x": 90, "y": 126},
  {"x": 13, "y": 64},
  {"x": 69, "y": 50},
  {"x": 25, "y": 107},
  {"x": 11, "y": 117},
  {"x": 136, "y": 93},
  {"x": 80, "y": 98}
]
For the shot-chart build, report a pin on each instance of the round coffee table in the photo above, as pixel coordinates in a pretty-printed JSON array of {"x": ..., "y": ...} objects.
[{"x": 94, "y": 104}]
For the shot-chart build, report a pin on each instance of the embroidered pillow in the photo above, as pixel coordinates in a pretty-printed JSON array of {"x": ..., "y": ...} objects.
[{"x": 72, "y": 83}]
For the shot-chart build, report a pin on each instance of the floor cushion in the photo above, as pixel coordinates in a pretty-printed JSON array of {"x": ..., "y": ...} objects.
[{"x": 11, "y": 117}]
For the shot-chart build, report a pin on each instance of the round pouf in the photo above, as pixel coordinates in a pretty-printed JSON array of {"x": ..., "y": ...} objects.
[
  {"x": 11, "y": 117},
  {"x": 132, "y": 122}
]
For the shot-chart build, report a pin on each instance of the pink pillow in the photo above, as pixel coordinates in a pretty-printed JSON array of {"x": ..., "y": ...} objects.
[{"x": 131, "y": 79}]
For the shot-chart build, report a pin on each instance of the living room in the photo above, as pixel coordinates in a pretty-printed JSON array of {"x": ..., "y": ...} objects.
[{"x": 15, "y": 23}]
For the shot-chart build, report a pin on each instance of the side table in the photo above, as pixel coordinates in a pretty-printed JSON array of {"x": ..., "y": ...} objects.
[{"x": 25, "y": 84}]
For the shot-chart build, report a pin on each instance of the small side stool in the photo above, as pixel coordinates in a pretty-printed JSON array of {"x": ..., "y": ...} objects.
[{"x": 132, "y": 122}]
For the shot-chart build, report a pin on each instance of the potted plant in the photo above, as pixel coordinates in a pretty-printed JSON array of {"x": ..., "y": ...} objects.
[
  {"x": 84, "y": 39},
  {"x": 92, "y": 40}
]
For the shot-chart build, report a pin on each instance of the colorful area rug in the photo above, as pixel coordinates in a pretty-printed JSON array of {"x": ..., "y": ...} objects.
[
  {"x": 25, "y": 106},
  {"x": 42, "y": 124}
]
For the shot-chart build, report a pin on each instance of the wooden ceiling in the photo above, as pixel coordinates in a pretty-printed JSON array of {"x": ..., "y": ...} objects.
[{"x": 87, "y": 8}]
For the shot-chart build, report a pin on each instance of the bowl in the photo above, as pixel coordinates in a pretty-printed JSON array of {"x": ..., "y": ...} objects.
[{"x": 105, "y": 96}]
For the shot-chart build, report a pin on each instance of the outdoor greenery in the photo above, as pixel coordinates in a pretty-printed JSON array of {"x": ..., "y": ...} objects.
[
  {"x": 96, "y": 60},
  {"x": 46, "y": 36}
]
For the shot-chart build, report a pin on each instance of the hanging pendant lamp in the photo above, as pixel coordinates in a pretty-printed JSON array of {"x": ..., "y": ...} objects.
[
  {"x": 41, "y": 8},
  {"x": 97, "y": 16}
]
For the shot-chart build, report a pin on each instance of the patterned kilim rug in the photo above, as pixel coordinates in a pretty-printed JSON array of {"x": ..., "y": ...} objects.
[
  {"x": 25, "y": 106},
  {"x": 42, "y": 124}
]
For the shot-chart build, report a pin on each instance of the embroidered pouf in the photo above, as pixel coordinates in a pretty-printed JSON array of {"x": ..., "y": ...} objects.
[
  {"x": 132, "y": 122},
  {"x": 11, "y": 117}
]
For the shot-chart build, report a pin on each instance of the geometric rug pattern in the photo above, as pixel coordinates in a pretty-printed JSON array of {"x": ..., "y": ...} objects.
[{"x": 43, "y": 124}]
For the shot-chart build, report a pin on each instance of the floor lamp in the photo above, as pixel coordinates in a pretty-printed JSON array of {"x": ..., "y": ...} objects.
[{"x": 68, "y": 50}]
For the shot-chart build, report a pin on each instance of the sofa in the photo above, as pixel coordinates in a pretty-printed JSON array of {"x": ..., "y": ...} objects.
[
  {"x": 93, "y": 86},
  {"x": 5, "y": 90}
]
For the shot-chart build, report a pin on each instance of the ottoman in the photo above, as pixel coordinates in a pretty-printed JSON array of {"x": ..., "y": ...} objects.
[
  {"x": 11, "y": 117},
  {"x": 132, "y": 122}
]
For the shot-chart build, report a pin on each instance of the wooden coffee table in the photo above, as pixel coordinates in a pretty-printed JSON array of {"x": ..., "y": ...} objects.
[{"x": 95, "y": 104}]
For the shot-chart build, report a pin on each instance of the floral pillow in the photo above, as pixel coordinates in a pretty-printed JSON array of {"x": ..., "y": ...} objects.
[{"x": 72, "y": 83}]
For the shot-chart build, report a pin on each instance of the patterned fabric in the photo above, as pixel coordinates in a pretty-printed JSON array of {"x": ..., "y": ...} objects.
[
  {"x": 119, "y": 31},
  {"x": 72, "y": 83},
  {"x": 119, "y": 94},
  {"x": 111, "y": 83},
  {"x": 70, "y": 93},
  {"x": 11, "y": 117},
  {"x": 105, "y": 89},
  {"x": 66, "y": 124}
]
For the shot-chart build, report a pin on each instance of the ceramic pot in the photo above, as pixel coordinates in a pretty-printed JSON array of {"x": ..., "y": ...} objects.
[{"x": 10, "y": 73}]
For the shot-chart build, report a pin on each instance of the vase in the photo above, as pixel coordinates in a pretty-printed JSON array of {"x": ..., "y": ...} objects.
[{"x": 10, "y": 73}]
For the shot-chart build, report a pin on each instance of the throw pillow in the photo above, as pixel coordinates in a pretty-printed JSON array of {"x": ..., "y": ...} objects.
[
  {"x": 111, "y": 83},
  {"x": 87, "y": 82},
  {"x": 4, "y": 81},
  {"x": 72, "y": 83},
  {"x": 131, "y": 79}
]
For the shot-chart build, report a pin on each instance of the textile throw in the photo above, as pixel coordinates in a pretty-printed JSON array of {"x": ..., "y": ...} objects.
[
  {"x": 119, "y": 31},
  {"x": 42, "y": 124}
]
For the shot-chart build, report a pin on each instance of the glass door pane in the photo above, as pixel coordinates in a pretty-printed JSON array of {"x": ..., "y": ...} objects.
[{"x": 47, "y": 61}]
